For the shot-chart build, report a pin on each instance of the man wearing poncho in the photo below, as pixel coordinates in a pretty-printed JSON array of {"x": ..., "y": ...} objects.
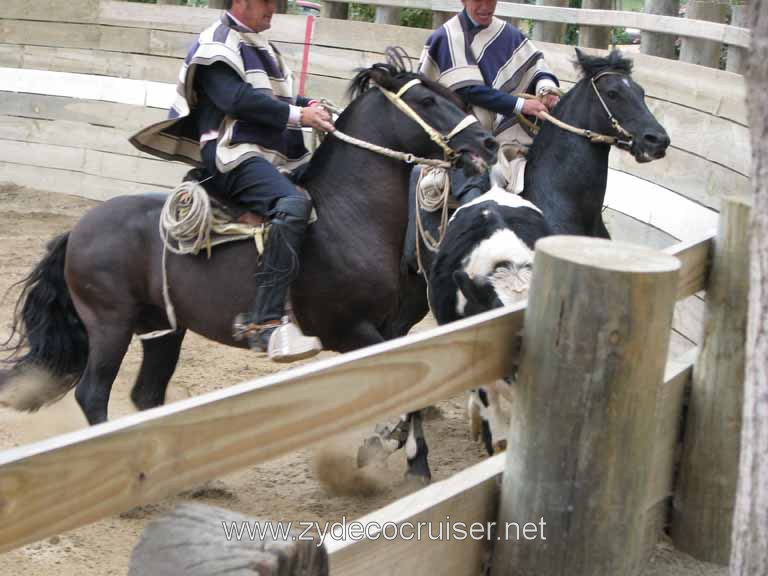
[
  {"x": 485, "y": 61},
  {"x": 236, "y": 116}
]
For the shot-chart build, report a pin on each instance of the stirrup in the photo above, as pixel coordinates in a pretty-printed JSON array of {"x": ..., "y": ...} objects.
[{"x": 287, "y": 343}]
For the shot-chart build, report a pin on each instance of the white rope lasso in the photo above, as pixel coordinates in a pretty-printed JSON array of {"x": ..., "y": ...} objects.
[{"x": 194, "y": 226}]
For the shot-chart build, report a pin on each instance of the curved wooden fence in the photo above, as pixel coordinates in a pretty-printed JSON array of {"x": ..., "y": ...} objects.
[{"x": 77, "y": 78}]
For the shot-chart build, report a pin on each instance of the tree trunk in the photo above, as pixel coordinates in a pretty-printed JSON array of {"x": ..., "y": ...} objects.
[
  {"x": 550, "y": 31},
  {"x": 173, "y": 2},
  {"x": 749, "y": 556},
  {"x": 595, "y": 36},
  {"x": 695, "y": 50},
  {"x": 654, "y": 43}
]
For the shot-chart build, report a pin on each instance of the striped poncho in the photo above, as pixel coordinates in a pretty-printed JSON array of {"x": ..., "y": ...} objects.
[
  {"x": 257, "y": 62},
  {"x": 460, "y": 54}
]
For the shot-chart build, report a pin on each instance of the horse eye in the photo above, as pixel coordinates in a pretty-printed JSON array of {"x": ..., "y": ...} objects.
[
  {"x": 428, "y": 101},
  {"x": 612, "y": 94}
]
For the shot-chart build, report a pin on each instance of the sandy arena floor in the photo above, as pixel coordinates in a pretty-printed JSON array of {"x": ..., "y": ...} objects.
[{"x": 284, "y": 489}]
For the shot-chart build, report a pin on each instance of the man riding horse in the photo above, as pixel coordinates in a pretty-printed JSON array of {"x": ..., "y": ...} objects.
[
  {"x": 486, "y": 61},
  {"x": 236, "y": 117}
]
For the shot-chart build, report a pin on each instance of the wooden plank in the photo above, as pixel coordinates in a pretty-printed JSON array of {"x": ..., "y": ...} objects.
[
  {"x": 688, "y": 320},
  {"x": 705, "y": 135},
  {"x": 110, "y": 114},
  {"x": 468, "y": 497},
  {"x": 72, "y": 183},
  {"x": 695, "y": 261},
  {"x": 74, "y": 479},
  {"x": 90, "y": 61},
  {"x": 727, "y": 34},
  {"x": 689, "y": 175},
  {"x": 70, "y": 134},
  {"x": 50, "y": 10},
  {"x": 69, "y": 35},
  {"x": 712, "y": 91},
  {"x": 141, "y": 170},
  {"x": 625, "y": 228},
  {"x": 367, "y": 36},
  {"x": 669, "y": 413}
]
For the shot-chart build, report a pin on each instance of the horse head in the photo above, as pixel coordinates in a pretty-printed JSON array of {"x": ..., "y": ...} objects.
[
  {"x": 432, "y": 123},
  {"x": 618, "y": 106}
]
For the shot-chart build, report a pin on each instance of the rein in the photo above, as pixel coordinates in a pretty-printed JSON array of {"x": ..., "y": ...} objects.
[
  {"x": 441, "y": 140},
  {"x": 588, "y": 134}
]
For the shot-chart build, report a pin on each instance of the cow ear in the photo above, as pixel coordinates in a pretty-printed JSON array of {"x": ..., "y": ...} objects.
[{"x": 467, "y": 286}]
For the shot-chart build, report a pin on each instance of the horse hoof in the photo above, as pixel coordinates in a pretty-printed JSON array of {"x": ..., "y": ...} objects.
[
  {"x": 418, "y": 480},
  {"x": 499, "y": 446},
  {"x": 371, "y": 452}
]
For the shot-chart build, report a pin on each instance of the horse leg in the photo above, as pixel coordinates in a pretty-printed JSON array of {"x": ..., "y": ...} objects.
[
  {"x": 416, "y": 450},
  {"x": 107, "y": 344},
  {"x": 160, "y": 356}
]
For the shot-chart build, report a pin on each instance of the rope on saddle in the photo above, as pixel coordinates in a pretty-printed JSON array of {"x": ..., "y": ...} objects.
[{"x": 432, "y": 191}]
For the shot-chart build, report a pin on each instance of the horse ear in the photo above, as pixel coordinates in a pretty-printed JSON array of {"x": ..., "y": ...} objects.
[{"x": 579, "y": 55}]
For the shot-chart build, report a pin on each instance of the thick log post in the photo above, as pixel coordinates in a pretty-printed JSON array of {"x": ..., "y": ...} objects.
[
  {"x": 219, "y": 4},
  {"x": 736, "y": 60},
  {"x": 198, "y": 540},
  {"x": 705, "y": 495},
  {"x": 595, "y": 36},
  {"x": 580, "y": 443},
  {"x": 654, "y": 43},
  {"x": 702, "y": 52},
  {"x": 550, "y": 31},
  {"x": 338, "y": 10},
  {"x": 387, "y": 15}
]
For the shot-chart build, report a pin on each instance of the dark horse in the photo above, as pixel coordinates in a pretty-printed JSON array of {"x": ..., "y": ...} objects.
[
  {"x": 101, "y": 283},
  {"x": 565, "y": 177}
]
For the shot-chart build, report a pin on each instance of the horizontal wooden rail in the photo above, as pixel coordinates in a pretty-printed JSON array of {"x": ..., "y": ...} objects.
[
  {"x": 732, "y": 35},
  {"x": 77, "y": 478},
  {"x": 470, "y": 497}
]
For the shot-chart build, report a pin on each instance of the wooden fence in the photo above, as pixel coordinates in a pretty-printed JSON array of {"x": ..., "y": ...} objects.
[{"x": 71, "y": 92}]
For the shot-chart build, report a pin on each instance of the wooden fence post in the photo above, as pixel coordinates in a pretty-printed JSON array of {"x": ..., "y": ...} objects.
[
  {"x": 736, "y": 61},
  {"x": 702, "y": 52},
  {"x": 387, "y": 15},
  {"x": 595, "y": 36},
  {"x": 580, "y": 443},
  {"x": 550, "y": 31},
  {"x": 706, "y": 491},
  {"x": 338, "y": 10},
  {"x": 655, "y": 43},
  {"x": 224, "y": 542}
]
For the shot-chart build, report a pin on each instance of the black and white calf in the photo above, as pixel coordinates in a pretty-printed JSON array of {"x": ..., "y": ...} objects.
[{"x": 485, "y": 261}]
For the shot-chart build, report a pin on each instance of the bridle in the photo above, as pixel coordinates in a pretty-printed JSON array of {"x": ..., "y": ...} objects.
[
  {"x": 442, "y": 140},
  {"x": 624, "y": 144}
]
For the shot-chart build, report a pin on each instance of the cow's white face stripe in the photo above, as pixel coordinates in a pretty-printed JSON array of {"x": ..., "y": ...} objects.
[{"x": 511, "y": 284}]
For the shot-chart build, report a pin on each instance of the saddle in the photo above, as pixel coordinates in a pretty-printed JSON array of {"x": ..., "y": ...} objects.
[{"x": 228, "y": 220}]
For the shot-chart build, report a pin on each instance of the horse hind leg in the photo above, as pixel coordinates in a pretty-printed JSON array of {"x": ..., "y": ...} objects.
[
  {"x": 107, "y": 345},
  {"x": 160, "y": 357}
]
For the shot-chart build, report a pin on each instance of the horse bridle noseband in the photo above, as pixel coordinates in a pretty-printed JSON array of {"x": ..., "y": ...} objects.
[
  {"x": 438, "y": 138},
  {"x": 625, "y": 144},
  {"x": 586, "y": 133}
]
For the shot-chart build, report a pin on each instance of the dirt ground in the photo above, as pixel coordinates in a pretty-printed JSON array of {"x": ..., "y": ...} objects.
[{"x": 284, "y": 489}]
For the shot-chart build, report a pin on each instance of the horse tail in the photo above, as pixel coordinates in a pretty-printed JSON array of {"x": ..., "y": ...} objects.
[{"x": 51, "y": 351}]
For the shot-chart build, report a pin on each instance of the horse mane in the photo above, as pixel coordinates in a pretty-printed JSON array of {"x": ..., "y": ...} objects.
[
  {"x": 593, "y": 65},
  {"x": 393, "y": 74}
]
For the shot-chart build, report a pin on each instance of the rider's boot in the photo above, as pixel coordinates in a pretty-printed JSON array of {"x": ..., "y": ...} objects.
[
  {"x": 467, "y": 188},
  {"x": 266, "y": 325}
]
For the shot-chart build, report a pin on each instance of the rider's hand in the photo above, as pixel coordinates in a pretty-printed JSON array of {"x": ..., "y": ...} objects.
[
  {"x": 532, "y": 107},
  {"x": 550, "y": 100},
  {"x": 317, "y": 117}
]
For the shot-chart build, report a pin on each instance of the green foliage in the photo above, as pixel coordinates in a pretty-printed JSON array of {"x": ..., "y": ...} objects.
[
  {"x": 416, "y": 18},
  {"x": 362, "y": 12}
]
